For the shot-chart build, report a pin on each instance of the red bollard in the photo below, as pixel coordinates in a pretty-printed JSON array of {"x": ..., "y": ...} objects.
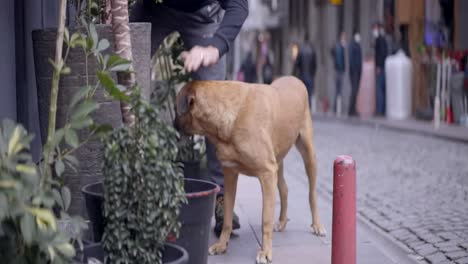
[{"x": 344, "y": 211}]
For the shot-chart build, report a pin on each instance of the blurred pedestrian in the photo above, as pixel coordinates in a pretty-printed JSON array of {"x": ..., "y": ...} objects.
[
  {"x": 267, "y": 71},
  {"x": 306, "y": 66},
  {"x": 380, "y": 55},
  {"x": 208, "y": 29},
  {"x": 248, "y": 70},
  {"x": 355, "y": 68},
  {"x": 338, "y": 53}
]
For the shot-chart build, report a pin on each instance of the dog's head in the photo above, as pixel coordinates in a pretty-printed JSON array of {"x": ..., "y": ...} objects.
[{"x": 185, "y": 120}]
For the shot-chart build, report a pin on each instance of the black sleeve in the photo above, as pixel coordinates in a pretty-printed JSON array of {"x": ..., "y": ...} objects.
[{"x": 236, "y": 11}]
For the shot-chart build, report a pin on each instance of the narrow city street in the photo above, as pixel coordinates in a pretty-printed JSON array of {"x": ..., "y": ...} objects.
[
  {"x": 412, "y": 190},
  {"x": 412, "y": 186}
]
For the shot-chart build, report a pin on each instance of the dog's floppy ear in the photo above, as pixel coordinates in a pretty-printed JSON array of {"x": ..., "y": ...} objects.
[{"x": 185, "y": 103}]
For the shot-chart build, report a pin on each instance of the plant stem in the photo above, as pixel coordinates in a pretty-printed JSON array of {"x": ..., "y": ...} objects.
[
  {"x": 55, "y": 88},
  {"x": 82, "y": 143},
  {"x": 86, "y": 68},
  {"x": 123, "y": 48}
]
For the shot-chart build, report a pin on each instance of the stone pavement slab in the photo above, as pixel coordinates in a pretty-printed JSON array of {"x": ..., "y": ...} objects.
[{"x": 296, "y": 244}]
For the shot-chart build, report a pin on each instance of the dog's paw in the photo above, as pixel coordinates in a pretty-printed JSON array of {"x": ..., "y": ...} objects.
[
  {"x": 217, "y": 249},
  {"x": 264, "y": 257},
  {"x": 318, "y": 230},
  {"x": 280, "y": 226}
]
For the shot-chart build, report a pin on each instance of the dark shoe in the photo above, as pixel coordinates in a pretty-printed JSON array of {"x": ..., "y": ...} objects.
[{"x": 219, "y": 217}]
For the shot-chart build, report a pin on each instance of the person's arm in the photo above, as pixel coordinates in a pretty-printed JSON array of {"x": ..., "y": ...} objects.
[{"x": 236, "y": 11}]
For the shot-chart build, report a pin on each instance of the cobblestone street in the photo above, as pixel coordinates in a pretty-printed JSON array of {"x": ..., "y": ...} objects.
[{"x": 414, "y": 187}]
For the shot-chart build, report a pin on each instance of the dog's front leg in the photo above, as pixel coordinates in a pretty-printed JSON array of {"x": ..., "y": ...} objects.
[
  {"x": 268, "y": 182},
  {"x": 230, "y": 188}
]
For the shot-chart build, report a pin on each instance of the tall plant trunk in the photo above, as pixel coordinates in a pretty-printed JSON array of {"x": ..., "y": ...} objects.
[
  {"x": 123, "y": 48},
  {"x": 59, "y": 64}
]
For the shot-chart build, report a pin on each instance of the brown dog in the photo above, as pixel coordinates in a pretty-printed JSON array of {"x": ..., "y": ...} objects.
[{"x": 253, "y": 126}]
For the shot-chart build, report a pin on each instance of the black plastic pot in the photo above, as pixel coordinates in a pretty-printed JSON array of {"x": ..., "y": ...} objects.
[
  {"x": 195, "y": 217},
  {"x": 94, "y": 199},
  {"x": 173, "y": 254}
]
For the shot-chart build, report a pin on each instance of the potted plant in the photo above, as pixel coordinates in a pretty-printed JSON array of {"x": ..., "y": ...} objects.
[
  {"x": 196, "y": 215},
  {"x": 33, "y": 199},
  {"x": 92, "y": 16},
  {"x": 143, "y": 190}
]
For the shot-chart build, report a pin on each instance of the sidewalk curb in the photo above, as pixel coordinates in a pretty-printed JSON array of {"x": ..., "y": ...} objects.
[
  {"x": 389, "y": 246},
  {"x": 378, "y": 123}
]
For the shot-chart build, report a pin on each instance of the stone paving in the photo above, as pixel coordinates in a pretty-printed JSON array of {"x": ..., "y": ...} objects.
[{"x": 411, "y": 186}]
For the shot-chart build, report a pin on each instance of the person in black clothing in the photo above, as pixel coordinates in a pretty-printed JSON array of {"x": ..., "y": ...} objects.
[
  {"x": 355, "y": 68},
  {"x": 267, "y": 71},
  {"x": 208, "y": 29},
  {"x": 380, "y": 56},
  {"x": 248, "y": 69},
  {"x": 306, "y": 65},
  {"x": 338, "y": 53}
]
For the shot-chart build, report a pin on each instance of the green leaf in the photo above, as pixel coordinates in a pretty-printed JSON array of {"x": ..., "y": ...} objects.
[
  {"x": 66, "y": 197},
  {"x": 75, "y": 36},
  {"x": 14, "y": 144},
  {"x": 66, "y": 36},
  {"x": 26, "y": 169},
  {"x": 103, "y": 45},
  {"x": 72, "y": 159},
  {"x": 66, "y": 249},
  {"x": 89, "y": 44},
  {"x": 84, "y": 109},
  {"x": 120, "y": 68},
  {"x": 27, "y": 227},
  {"x": 58, "y": 198},
  {"x": 66, "y": 70},
  {"x": 71, "y": 137},
  {"x": 59, "y": 167},
  {"x": 116, "y": 61},
  {"x": 79, "y": 95},
  {"x": 3, "y": 206},
  {"x": 58, "y": 137},
  {"x": 101, "y": 129},
  {"x": 82, "y": 122},
  {"x": 94, "y": 35},
  {"x": 110, "y": 86},
  {"x": 81, "y": 42}
]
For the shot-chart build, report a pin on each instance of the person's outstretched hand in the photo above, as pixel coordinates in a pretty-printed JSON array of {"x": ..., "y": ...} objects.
[{"x": 199, "y": 56}]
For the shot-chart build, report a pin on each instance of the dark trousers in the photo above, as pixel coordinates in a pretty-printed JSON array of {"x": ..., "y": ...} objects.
[
  {"x": 195, "y": 29},
  {"x": 355, "y": 78},
  {"x": 380, "y": 93},
  {"x": 339, "y": 88},
  {"x": 309, "y": 83}
]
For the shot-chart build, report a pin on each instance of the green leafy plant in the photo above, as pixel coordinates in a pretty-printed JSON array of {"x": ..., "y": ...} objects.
[
  {"x": 143, "y": 187},
  {"x": 32, "y": 196},
  {"x": 171, "y": 75},
  {"x": 28, "y": 232}
]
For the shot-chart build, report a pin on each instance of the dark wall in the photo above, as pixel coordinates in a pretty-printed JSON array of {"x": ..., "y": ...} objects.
[
  {"x": 7, "y": 61},
  {"x": 462, "y": 35},
  {"x": 18, "y": 97}
]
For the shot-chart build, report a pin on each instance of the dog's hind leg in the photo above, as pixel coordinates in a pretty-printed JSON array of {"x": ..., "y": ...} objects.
[
  {"x": 305, "y": 146},
  {"x": 283, "y": 193}
]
